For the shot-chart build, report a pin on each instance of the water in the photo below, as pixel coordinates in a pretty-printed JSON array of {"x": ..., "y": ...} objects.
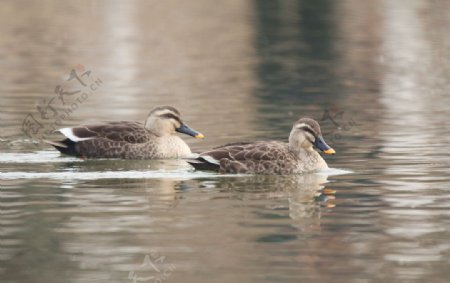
[{"x": 376, "y": 76}]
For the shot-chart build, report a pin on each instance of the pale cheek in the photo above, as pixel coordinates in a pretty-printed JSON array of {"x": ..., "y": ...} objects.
[
  {"x": 306, "y": 144},
  {"x": 173, "y": 127}
]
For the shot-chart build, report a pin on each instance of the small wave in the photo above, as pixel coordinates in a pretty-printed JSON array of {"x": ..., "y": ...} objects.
[
  {"x": 334, "y": 172},
  {"x": 36, "y": 157},
  {"x": 95, "y": 175},
  {"x": 155, "y": 174}
]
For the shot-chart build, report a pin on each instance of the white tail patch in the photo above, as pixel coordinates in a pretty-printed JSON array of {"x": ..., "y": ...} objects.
[
  {"x": 55, "y": 143},
  {"x": 210, "y": 159},
  {"x": 68, "y": 133}
]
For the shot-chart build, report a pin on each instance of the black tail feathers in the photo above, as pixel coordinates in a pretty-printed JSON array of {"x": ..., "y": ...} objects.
[
  {"x": 201, "y": 164},
  {"x": 65, "y": 147}
]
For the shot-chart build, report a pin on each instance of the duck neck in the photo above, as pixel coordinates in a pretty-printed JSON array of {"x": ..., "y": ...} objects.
[
  {"x": 310, "y": 159},
  {"x": 173, "y": 146},
  {"x": 301, "y": 151},
  {"x": 297, "y": 144}
]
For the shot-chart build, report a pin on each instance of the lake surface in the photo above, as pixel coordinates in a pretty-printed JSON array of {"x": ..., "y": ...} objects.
[{"x": 375, "y": 74}]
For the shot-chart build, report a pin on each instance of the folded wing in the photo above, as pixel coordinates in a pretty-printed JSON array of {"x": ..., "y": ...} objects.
[
  {"x": 131, "y": 132},
  {"x": 244, "y": 157}
]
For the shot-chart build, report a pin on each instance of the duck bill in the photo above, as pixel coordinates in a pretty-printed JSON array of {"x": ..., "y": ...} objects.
[
  {"x": 184, "y": 129},
  {"x": 322, "y": 145}
]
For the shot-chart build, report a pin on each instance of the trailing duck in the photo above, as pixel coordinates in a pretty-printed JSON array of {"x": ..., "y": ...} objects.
[{"x": 270, "y": 157}]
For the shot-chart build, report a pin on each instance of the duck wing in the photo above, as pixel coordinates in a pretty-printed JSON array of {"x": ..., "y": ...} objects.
[
  {"x": 257, "y": 157},
  {"x": 123, "y": 131}
]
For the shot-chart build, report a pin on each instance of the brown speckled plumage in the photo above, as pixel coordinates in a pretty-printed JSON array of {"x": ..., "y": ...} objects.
[
  {"x": 125, "y": 140},
  {"x": 130, "y": 140},
  {"x": 267, "y": 157}
]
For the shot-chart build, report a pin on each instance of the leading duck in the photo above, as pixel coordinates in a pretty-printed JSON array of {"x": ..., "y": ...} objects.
[
  {"x": 155, "y": 139},
  {"x": 270, "y": 157}
]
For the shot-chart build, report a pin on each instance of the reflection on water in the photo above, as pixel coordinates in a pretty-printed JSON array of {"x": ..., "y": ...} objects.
[
  {"x": 242, "y": 70},
  {"x": 103, "y": 227}
]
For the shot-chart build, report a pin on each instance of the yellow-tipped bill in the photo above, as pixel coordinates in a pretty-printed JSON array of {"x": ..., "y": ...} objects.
[
  {"x": 322, "y": 145},
  {"x": 185, "y": 129}
]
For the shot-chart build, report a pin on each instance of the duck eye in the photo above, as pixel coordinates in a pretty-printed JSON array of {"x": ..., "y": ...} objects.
[
  {"x": 307, "y": 129},
  {"x": 170, "y": 116}
]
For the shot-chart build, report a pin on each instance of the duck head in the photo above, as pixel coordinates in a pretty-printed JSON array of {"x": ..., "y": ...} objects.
[
  {"x": 166, "y": 120},
  {"x": 305, "y": 134}
]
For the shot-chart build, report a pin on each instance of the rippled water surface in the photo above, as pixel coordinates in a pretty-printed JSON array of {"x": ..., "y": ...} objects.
[{"x": 376, "y": 74}]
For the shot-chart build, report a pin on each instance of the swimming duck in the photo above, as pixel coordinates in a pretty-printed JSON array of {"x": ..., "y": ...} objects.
[
  {"x": 155, "y": 139},
  {"x": 270, "y": 157}
]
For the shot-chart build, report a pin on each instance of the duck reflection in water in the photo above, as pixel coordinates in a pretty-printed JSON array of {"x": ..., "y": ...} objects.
[{"x": 306, "y": 194}]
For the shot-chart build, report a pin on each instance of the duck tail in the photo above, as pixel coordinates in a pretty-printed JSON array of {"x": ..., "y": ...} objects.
[
  {"x": 202, "y": 164},
  {"x": 65, "y": 146}
]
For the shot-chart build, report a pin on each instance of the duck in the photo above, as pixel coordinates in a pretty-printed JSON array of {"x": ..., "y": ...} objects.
[
  {"x": 153, "y": 139},
  {"x": 297, "y": 156}
]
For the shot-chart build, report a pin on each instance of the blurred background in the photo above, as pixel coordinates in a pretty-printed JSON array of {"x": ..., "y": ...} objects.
[{"x": 375, "y": 74}]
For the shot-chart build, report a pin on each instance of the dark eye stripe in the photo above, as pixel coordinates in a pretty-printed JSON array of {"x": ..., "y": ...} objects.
[
  {"x": 307, "y": 129},
  {"x": 170, "y": 116}
]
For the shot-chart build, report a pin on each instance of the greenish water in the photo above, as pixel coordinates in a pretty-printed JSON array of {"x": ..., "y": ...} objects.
[{"x": 375, "y": 74}]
